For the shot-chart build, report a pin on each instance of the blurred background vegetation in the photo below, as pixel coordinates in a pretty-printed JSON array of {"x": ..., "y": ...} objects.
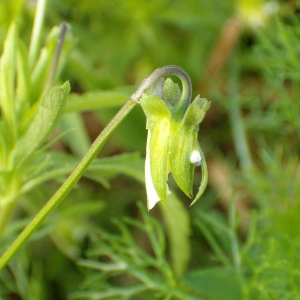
[{"x": 241, "y": 240}]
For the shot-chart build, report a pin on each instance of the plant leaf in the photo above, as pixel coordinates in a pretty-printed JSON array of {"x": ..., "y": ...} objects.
[
  {"x": 178, "y": 226},
  {"x": 95, "y": 100},
  {"x": 77, "y": 138},
  {"x": 47, "y": 113},
  {"x": 7, "y": 78},
  {"x": 215, "y": 283},
  {"x": 23, "y": 78}
]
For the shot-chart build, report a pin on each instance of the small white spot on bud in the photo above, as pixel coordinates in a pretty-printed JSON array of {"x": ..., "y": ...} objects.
[{"x": 195, "y": 158}]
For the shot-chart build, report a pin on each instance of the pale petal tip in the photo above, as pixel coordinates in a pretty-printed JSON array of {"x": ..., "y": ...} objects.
[{"x": 151, "y": 203}]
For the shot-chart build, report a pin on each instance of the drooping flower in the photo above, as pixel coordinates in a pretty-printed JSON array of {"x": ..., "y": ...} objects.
[{"x": 172, "y": 144}]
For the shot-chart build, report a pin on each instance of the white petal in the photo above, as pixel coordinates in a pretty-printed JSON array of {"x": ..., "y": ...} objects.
[
  {"x": 152, "y": 195},
  {"x": 195, "y": 158}
]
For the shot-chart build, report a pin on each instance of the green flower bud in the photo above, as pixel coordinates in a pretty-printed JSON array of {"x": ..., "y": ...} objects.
[{"x": 172, "y": 145}]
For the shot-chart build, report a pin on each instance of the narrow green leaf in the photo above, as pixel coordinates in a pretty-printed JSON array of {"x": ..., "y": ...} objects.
[
  {"x": 41, "y": 70},
  {"x": 178, "y": 226},
  {"x": 101, "y": 170},
  {"x": 130, "y": 164},
  {"x": 77, "y": 138},
  {"x": 95, "y": 100},
  {"x": 23, "y": 79},
  {"x": 7, "y": 79},
  {"x": 4, "y": 144}
]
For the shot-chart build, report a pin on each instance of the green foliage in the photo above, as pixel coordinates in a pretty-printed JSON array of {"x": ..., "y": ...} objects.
[
  {"x": 130, "y": 37},
  {"x": 29, "y": 114},
  {"x": 241, "y": 239},
  {"x": 113, "y": 258},
  {"x": 179, "y": 233}
]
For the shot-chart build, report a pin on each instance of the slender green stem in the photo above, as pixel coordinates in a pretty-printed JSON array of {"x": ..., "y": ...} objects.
[
  {"x": 84, "y": 163},
  {"x": 36, "y": 33},
  {"x": 63, "y": 30}
]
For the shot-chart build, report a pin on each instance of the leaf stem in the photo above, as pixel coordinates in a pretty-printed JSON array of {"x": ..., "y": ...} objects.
[
  {"x": 73, "y": 178},
  {"x": 63, "y": 30}
]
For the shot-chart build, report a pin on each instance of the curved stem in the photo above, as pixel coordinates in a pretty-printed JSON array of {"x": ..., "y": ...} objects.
[
  {"x": 63, "y": 191},
  {"x": 186, "y": 94}
]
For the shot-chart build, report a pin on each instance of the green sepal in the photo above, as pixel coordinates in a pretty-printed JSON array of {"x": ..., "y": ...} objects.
[
  {"x": 158, "y": 151},
  {"x": 196, "y": 111},
  {"x": 184, "y": 142},
  {"x": 158, "y": 124},
  {"x": 204, "y": 178},
  {"x": 181, "y": 167},
  {"x": 155, "y": 109},
  {"x": 173, "y": 124}
]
